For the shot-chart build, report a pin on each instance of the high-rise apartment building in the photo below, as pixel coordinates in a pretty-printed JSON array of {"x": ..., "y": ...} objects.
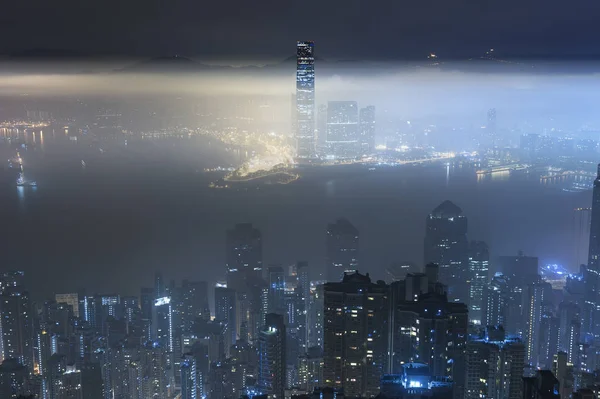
[
  {"x": 355, "y": 336},
  {"x": 496, "y": 297},
  {"x": 429, "y": 330},
  {"x": 226, "y": 313},
  {"x": 272, "y": 351},
  {"x": 494, "y": 367},
  {"x": 479, "y": 263},
  {"x": 446, "y": 245},
  {"x": 16, "y": 325},
  {"x": 537, "y": 294}
]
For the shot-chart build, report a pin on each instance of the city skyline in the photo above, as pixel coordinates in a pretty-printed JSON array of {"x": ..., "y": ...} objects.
[{"x": 308, "y": 242}]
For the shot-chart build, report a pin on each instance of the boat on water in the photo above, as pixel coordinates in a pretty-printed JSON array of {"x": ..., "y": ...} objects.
[{"x": 21, "y": 182}]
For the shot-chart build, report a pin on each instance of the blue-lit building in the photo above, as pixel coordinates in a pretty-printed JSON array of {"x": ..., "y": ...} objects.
[
  {"x": 415, "y": 381},
  {"x": 591, "y": 311},
  {"x": 189, "y": 377},
  {"x": 305, "y": 100},
  {"x": 430, "y": 330},
  {"x": 494, "y": 366}
]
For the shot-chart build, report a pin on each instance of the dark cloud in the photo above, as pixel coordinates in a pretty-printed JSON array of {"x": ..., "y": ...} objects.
[{"x": 354, "y": 28}]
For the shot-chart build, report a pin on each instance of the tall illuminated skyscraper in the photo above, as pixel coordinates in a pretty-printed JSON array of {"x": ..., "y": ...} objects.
[
  {"x": 591, "y": 313},
  {"x": 189, "y": 377},
  {"x": 305, "y": 100},
  {"x": 162, "y": 323}
]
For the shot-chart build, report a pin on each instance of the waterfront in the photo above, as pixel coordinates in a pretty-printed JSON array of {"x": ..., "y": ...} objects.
[{"x": 126, "y": 185}]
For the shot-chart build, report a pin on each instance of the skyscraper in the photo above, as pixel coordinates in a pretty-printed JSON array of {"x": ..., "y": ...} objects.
[
  {"x": 16, "y": 325},
  {"x": 146, "y": 302},
  {"x": 428, "y": 330},
  {"x": 271, "y": 351},
  {"x": 70, "y": 384},
  {"x": 14, "y": 379},
  {"x": 243, "y": 256},
  {"x": 162, "y": 324},
  {"x": 591, "y": 311},
  {"x": 366, "y": 120},
  {"x": 225, "y": 312},
  {"x": 494, "y": 367},
  {"x": 520, "y": 269},
  {"x": 479, "y": 259},
  {"x": 194, "y": 303},
  {"x": 305, "y": 99},
  {"x": 342, "y": 249},
  {"x": 536, "y": 294},
  {"x": 446, "y": 245},
  {"x": 496, "y": 298},
  {"x": 189, "y": 377},
  {"x": 563, "y": 371},
  {"x": 276, "y": 297},
  {"x": 154, "y": 371},
  {"x": 343, "y": 138},
  {"x": 356, "y": 335},
  {"x": 569, "y": 329}
]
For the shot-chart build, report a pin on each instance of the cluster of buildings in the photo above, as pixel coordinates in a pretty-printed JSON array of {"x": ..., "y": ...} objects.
[
  {"x": 449, "y": 330},
  {"x": 463, "y": 326},
  {"x": 339, "y": 130}
]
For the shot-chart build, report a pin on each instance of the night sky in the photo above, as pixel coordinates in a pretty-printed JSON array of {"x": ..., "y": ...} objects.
[{"x": 343, "y": 29}]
